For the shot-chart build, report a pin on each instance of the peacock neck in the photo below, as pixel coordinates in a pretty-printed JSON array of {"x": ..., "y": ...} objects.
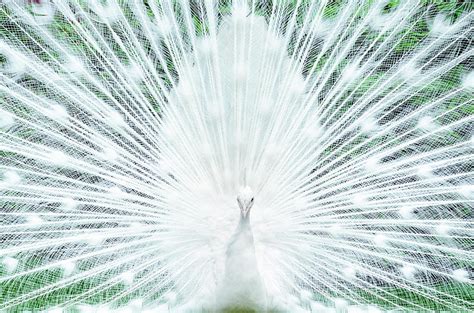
[{"x": 244, "y": 220}]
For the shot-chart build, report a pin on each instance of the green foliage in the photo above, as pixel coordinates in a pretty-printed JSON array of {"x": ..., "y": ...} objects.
[{"x": 414, "y": 300}]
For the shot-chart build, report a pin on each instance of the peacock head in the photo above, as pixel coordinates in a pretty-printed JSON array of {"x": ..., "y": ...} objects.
[{"x": 245, "y": 200}]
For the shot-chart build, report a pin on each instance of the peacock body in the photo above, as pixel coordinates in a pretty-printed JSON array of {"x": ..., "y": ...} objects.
[
  {"x": 128, "y": 129},
  {"x": 242, "y": 286}
]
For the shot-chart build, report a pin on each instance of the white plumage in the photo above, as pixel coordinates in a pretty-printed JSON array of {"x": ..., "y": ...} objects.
[
  {"x": 127, "y": 129},
  {"x": 242, "y": 285}
]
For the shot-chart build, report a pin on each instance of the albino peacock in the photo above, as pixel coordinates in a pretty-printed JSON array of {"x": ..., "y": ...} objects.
[
  {"x": 129, "y": 128},
  {"x": 242, "y": 286}
]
